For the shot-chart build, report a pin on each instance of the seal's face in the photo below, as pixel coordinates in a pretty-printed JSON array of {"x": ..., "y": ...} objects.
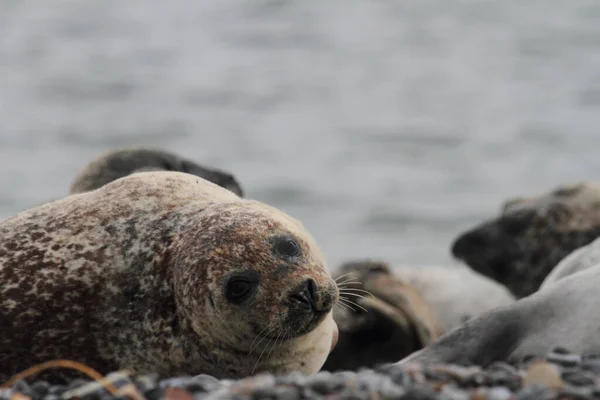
[
  {"x": 288, "y": 291},
  {"x": 521, "y": 246},
  {"x": 253, "y": 280}
]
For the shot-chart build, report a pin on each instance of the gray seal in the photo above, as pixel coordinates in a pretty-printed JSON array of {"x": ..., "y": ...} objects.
[
  {"x": 563, "y": 314},
  {"x": 163, "y": 272},
  {"x": 583, "y": 258},
  {"x": 520, "y": 247},
  {"x": 118, "y": 163}
]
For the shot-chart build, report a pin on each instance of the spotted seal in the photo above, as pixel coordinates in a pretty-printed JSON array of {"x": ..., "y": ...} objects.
[
  {"x": 522, "y": 245},
  {"x": 163, "y": 272},
  {"x": 564, "y": 314},
  {"x": 118, "y": 163}
]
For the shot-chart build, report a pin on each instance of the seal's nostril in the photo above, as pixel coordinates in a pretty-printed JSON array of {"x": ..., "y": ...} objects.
[
  {"x": 312, "y": 290},
  {"x": 305, "y": 295}
]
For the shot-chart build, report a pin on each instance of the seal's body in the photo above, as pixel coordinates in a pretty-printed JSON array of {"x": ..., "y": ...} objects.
[
  {"x": 564, "y": 314},
  {"x": 583, "y": 258},
  {"x": 118, "y": 163},
  {"x": 455, "y": 293},
  {"x": 163, "y": 272}
]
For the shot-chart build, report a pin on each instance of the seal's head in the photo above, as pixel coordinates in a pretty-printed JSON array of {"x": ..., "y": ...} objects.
[
  {"x": 118, "y": 163},
  {"x": 250, "y": 279},
  {"x": 380, "y": 328},
  {"x": 520, "y": 247},
  {"x": 581, "y": 194}
]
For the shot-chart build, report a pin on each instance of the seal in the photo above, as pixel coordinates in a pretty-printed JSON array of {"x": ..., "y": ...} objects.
[
  {"x": 118, "y": 163},
  {"x": 583, "y": 258},
  {"x": 564, "y": 314},
  {"x": 520, "y": 247},
  {"x": 455, "y": 293},
  {"x": 163, "y": 272},
  {"x": 583, "y": 194},
  {"x": 380, "y": 328}
]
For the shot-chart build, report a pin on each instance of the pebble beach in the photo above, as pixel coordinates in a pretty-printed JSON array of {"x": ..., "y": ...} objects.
[{"x": 559, "y": 375}]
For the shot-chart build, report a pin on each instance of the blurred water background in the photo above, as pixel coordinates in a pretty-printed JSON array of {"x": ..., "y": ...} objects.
[{"x": 385, "y": 127}]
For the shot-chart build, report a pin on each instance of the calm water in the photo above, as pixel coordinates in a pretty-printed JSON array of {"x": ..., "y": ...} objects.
[{"x": 386, "y": 127}]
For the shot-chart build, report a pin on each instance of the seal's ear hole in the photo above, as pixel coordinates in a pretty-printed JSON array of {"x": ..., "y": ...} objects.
[
  {"x": 287, "y": 247},
  {"x": 240, "y": 286}
]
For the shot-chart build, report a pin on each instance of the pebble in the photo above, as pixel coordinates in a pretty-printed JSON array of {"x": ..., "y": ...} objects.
[{"x": 559, "y": 375}]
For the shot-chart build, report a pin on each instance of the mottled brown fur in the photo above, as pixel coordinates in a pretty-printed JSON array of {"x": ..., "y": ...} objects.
[
  {"x": 521, "y": 246},
  {"x": 131, "y": 276}
]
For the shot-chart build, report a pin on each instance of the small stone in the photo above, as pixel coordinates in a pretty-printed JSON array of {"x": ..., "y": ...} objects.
[
  {"x": 296, "y": 378},
  {"x": 565, "y": 360},
  {"x": 6, "y": 394},
  {"x": 205, "y": 383},
  {"x": 453, "y": 393},
  {"x": 543, "y": 373},
  {"x": 573, "y": 394},
  {"x": 420, "y": 392},
  {"x": 534, "y": 392},
  {"x": 502, "y": 374},
  {"x": 155, "y": 394},
  {"x": 396, "y": 374},
  {"x": 23, "y": 388},
  {"x": 578, "y": 378},
  {"x": 322, "y": 384},
  {"x": 40, "y": 387},
  {"x": 57, "y": 389},
  {"x": 77, "y": 383},
  {"x": 180, "y": 382},
  {"x": 560, "y": 350},
  {"x": 343, "y": 379},
  {"x": 499, "y": 393},
  {"x": 146, "y": 383},
  {"x": 350, "y": 394},
  {"x": 591, "y": 364},
  {"x": 175, "y": 393},
  {"x": 277, "y": 393},
  {"x": 389, "y": 390}
]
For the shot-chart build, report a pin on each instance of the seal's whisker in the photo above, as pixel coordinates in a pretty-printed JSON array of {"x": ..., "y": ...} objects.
[
  {"x": 348, "y": 283},
  {"x": 356, "y": 304},
  {"x": 260, "y": 356},
  {"x": 263, "y": 338},
  {"x": 257, "y": 336},
  {"x": 274, "y": 345},
  {"x": 340, "y": 277},
  {"x": 349, "y": 290},
  {"x": 349, "y": 303},
  {"x": 346, "y": 306},
  {"x": 348, "y": 279}
]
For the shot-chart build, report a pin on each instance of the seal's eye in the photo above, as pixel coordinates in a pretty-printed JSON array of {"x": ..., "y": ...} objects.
[
  {"x": 287, "y": 247},
  {"x": 240, "y": 287}
]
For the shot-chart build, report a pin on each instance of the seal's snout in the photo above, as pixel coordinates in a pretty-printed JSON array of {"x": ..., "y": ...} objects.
[
  {"x": 469, "y": 243},
  {"x": 305, "y": 296},
  {"x": 310, "y": 297}
]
